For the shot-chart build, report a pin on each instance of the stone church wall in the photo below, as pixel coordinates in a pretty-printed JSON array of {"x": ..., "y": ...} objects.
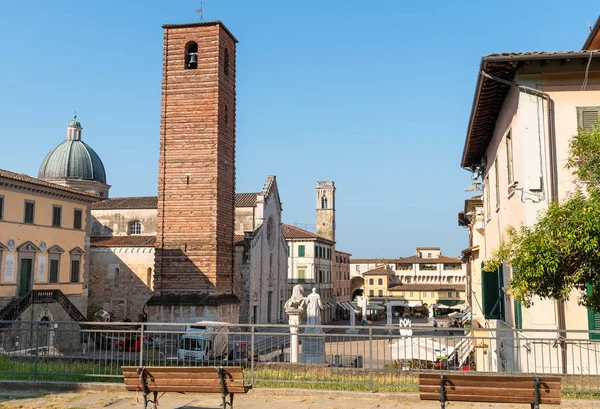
[
  {"x": 244, "y": 219},
  {"x": 121, "y": 281},
  {"x": 116, "y": 222}
]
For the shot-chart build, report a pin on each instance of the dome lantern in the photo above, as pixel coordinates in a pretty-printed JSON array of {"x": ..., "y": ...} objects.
[{"x": 74, "y": 129}]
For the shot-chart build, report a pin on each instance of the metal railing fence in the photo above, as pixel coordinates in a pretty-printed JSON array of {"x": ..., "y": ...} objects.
[{"x": 369, "y": 358}]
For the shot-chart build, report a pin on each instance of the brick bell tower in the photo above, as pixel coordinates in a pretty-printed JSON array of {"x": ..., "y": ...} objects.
[{"x": 196, "y": 179}]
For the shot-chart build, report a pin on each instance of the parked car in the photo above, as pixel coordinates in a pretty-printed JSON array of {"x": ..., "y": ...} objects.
[{"x": 134, "y": 343}]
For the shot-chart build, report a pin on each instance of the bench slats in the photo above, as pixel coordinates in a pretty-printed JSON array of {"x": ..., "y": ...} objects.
[
  {"x": 479, "y": 398},
  {"x": 197, "y": 389},
  {"x": 185, "y": 382},
  {"x": 183, "y": 375},
  {"x": 529, "y": 393},
  {"x": 490, "y": 388},
  {"x": 185, "y": 379},
  {"x": 195, "y": 369},
  {"x": 488, "y": 378},
  {"x": 517, "y": 384}
]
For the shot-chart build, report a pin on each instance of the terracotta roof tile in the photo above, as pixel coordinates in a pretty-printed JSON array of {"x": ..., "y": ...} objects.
[
  {"x": 427, "y": 287},
  {"x": 123, "y": 241},
  {"x": 245, "y": 199},
  {"x": 406, "y": 260},
  {"x": 383, "y": 270},
  {"x": 140, "y": 202},
  {"x": 292, "y": 232},
  {"x": 490, "y": 95},
  {"x": 238, "y": 239},
  {"x": 151, "y": 202},
  {"x": 433, "y": 260},
  {"x": 21, "y": 177},
  {"x": 374, "y": 260}
]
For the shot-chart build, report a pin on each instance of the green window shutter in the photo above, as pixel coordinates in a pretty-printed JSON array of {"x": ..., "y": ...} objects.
[
  {"x": 518, "y": 315},
  {"x": 300, "y": 251},
  {"x": 593, "y": 317},
  {"x": 587, "y": 117},
  {"x": 492, "y": 297}
]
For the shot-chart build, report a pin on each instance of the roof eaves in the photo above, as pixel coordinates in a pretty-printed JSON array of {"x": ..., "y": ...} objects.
[
  {"x": 202, "y": 24},
  {"x": 593, "y": 32}
]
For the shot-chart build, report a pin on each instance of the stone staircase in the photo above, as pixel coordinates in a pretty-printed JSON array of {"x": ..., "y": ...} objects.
[{"x": 17, "y": 306}]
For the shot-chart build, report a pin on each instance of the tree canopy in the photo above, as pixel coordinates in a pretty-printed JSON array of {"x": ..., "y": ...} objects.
[{"x": 561, "y": 252}]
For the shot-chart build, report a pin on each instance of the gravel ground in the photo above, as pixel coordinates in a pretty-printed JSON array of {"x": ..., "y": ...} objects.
[{"x": 257, "y": 399}]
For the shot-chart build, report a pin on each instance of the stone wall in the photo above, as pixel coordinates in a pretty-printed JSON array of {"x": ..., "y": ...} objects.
[
  {"x": 244, "y": 219},
  {"x": 120, "y": 281},
  {"x": 115, "y": 222}
]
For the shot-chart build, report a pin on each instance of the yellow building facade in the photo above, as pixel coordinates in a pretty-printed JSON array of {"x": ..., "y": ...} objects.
[{"x": 44, "y": 241}]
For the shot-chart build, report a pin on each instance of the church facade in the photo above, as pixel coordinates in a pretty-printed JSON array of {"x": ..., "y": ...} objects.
[{"x": 123, "y": 255}]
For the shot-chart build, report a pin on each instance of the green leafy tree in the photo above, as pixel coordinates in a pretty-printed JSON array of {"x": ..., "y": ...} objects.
[{"x": 561, "y": 252}]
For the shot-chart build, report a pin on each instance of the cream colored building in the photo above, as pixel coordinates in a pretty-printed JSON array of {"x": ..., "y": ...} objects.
[
  {"x": 427, "y": 277},
  {"x": 44, "y": 248},
  {"x": 472, "y": 219},
  {"x": 526, "y": 109},
  {"x": 311, "y": 264}
]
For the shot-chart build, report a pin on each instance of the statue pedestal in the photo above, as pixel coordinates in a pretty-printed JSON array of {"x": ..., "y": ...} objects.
[
  {"x": 294, "y": 321},
  {"x": 312, "y": 346},
  {"x": 351, "y": 331}
]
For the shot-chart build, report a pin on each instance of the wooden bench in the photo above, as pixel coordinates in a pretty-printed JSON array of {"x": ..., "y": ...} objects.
[
  {"x": 448, "y": 387},
  {"x": 199, "y": 379}
]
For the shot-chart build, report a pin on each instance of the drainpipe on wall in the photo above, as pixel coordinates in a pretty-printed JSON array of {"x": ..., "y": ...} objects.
[{"x": 560, "y": 304}]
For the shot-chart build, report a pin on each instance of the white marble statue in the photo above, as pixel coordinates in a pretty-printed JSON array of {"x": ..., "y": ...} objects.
[
  {"x": 296, "y": 301},
  {"x": 313, "y": 308}
]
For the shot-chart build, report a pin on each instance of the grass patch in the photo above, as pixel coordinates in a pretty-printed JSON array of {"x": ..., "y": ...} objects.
[{"x": 327, "y": 378}]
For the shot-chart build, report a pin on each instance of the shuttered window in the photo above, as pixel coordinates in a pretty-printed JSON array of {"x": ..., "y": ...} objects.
[
  {"x": 54, "y": 265},
  {"x": 587, "y": 117},
  {"x": 518, "y": 314},
  {"x": 77, "y": 219},
  {"x": 56, "y": 216},
  {"x": 75, "y": 271},
  {"x": 300, "y": 251},
  {"x": 492, "y": 295},
  {"x": 593, "y": 317}
]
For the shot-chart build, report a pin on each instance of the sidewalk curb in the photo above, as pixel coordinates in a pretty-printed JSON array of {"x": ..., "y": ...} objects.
[{"x": 56, "y": 386}]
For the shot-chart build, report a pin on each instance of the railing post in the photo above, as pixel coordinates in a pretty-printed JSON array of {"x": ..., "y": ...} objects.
[
  {"x": 371, "y": 359},
  {"x": 37, "y": 350},
  {"x": 142, "y": 346},
  {"x": 252, "y": 357}
]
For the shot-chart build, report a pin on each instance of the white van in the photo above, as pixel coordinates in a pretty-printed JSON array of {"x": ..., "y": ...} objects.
[{"x": 203, "y": 341}]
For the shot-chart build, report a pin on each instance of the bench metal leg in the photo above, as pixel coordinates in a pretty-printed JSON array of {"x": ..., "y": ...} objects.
[
  {"x": 443, "y": 392},
  {"x": 536, "y": 394},
  {"x": 224, "y": 391}
]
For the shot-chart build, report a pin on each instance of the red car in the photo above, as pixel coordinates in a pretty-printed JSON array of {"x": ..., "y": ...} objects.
[{"x": 133, "y": 343}]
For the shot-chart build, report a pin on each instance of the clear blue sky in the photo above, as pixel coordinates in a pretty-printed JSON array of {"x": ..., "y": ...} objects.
[{"x": 375, "y": 95}]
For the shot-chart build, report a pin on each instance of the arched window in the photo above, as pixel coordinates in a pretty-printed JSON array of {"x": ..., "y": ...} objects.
[
  {"x": 135, "y": 228},
  {"x": 191, "y": 56},
  {"x": 226, "y": 62},
  {"x": 149, "y": 277},
  {"x": 324, "y": 202}
]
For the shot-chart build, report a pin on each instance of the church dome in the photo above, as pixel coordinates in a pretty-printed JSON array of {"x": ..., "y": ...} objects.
[{"x": 73, "y": 159}]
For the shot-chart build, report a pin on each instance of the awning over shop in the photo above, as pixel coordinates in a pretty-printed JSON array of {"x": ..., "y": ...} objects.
[
  {"x": 414, "y": 304},
  {"x": 457, "y": 315},
  {"x": 439, "y": 305},
  {"x": 344, "y": 305}
]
